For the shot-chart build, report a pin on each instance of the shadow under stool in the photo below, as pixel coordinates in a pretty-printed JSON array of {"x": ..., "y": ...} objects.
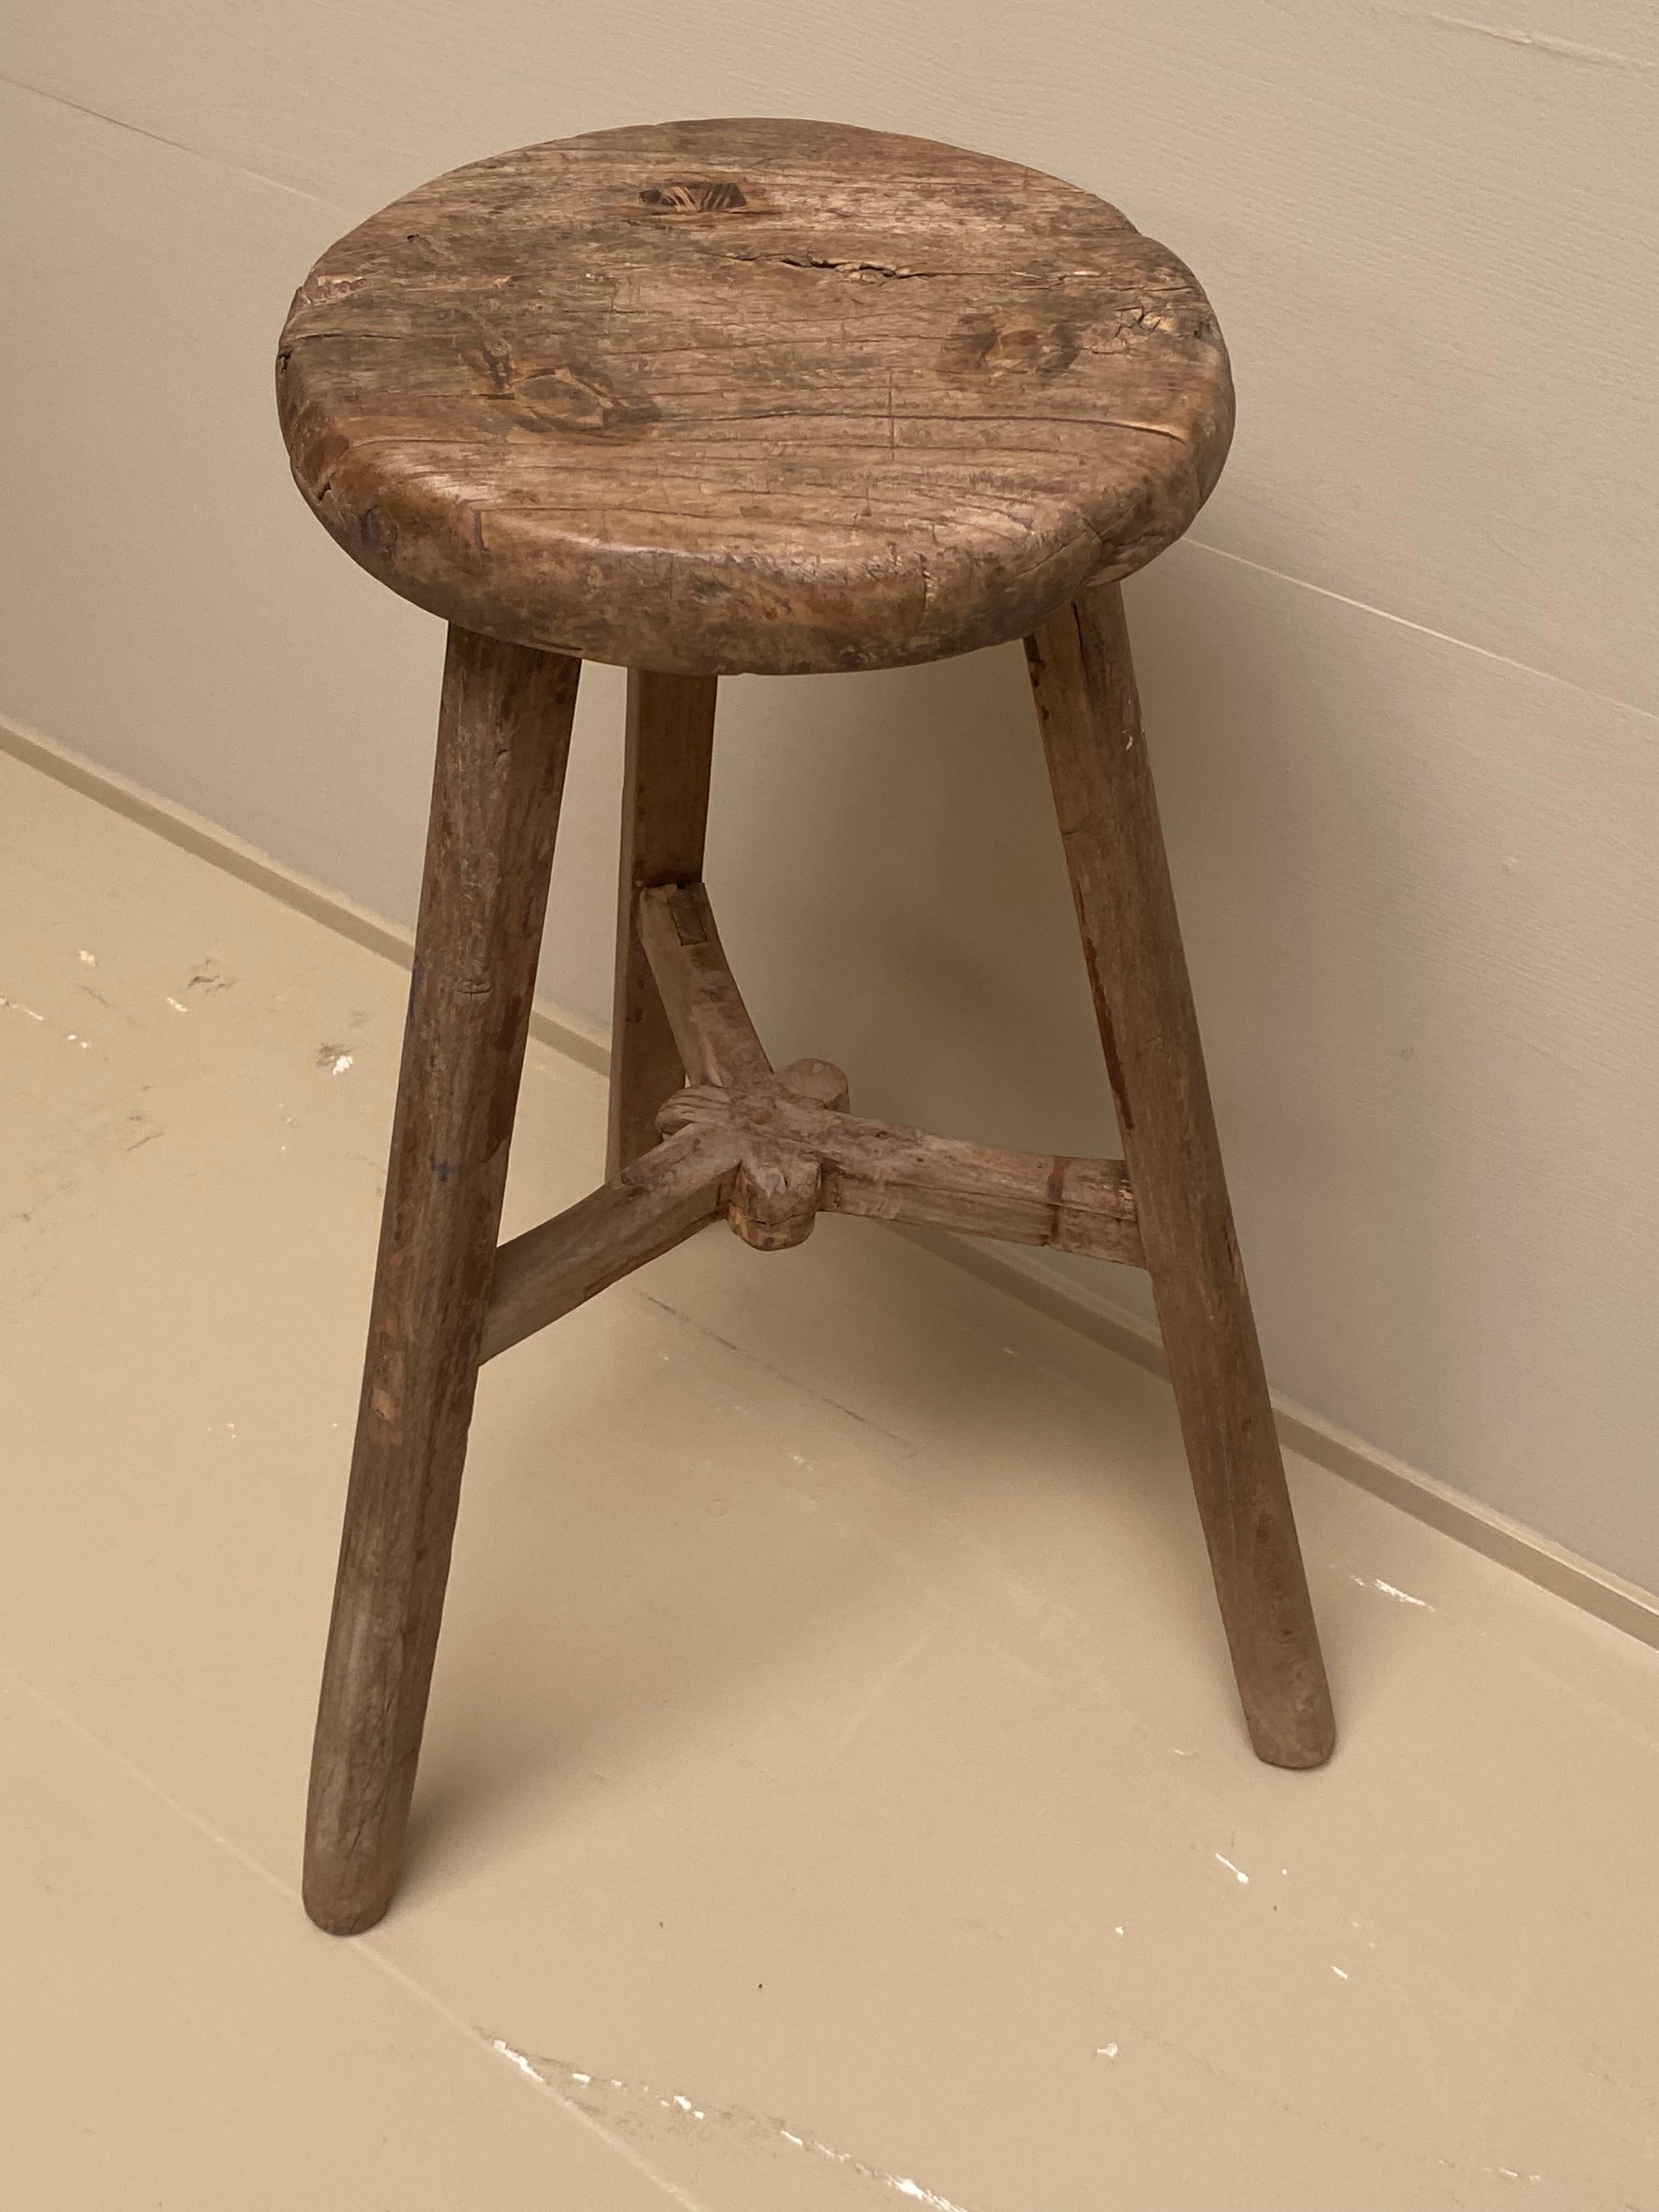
[{"x": 701, "y": 399}]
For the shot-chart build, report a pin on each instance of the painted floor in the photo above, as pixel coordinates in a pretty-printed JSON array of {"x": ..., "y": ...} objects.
[{"x": 834, "y": 1795}]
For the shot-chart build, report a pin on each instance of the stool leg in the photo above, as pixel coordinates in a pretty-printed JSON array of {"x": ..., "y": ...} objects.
[
  {"x": 503, "y": 736},
  {"x": 671, "y": 740},
  {"x": 1091, "y": 719}
]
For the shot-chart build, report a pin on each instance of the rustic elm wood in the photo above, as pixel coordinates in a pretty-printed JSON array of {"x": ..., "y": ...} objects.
[
  {"x": 705, "y": 398},
  {"x": 774, "y": 396},
  {"x": 1090, "y": 719},
  {"x": 503, "y": 736},
  {"x": 653, "y": 1204},
  {"x": 670, "y": 749},
  {"x": 706, "y": 1013}
]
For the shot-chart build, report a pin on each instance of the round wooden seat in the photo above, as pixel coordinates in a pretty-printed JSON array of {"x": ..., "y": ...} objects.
[{"x": 775, "y": 396}]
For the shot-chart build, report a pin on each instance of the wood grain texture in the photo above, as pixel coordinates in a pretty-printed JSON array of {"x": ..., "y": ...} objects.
[
  {"x": 669, "y": 757},
  {"x": 776, "y": 1194},
  {"x": 656, "y": 1203},
  {"x": 504, "y": 740},
  {"x": 1090, "y": 719},
  {"x": 751, "y": 395},
  {"x": 882, "y": 1171},
  {"x": 715, "y": 1038}
]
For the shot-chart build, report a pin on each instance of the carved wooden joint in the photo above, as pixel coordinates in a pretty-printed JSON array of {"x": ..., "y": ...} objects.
[
  {"x": 883, "y": 1171},
  {"x": 801, "y": 1152},
  {"x": 772, "y": 1149}
]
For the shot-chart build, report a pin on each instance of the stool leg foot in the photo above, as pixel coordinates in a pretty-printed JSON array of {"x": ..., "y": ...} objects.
[
  {"x": 503, "y": 738},
  {"x": 1090, "y": 719},
  {"x": 671, "y": 740}
]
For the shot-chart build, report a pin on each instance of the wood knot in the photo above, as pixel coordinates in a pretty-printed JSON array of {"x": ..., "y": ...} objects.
[
  {"x": 556, "y": 396},
  {"x": 981, "y": 346},
  {"x": 693, "y": 196}
]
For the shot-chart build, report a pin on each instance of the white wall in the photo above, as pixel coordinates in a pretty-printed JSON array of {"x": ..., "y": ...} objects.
[{"x": 1400, "y": 680}]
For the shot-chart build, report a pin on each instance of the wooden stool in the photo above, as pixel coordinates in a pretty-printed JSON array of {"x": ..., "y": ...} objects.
[{"x": 775, "y": 397}]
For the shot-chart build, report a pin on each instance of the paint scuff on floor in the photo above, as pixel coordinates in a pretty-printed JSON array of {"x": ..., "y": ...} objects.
[{"x": 640, "y": 2109}]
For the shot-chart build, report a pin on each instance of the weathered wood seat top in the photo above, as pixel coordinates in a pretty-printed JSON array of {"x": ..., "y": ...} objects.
[{"x": 775, "y": 396}]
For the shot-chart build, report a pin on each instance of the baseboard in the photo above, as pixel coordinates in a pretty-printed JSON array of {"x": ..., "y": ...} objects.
[
  {"x": 1482, "y": 1527},
  {"x": 1511, "y": 1543}
]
